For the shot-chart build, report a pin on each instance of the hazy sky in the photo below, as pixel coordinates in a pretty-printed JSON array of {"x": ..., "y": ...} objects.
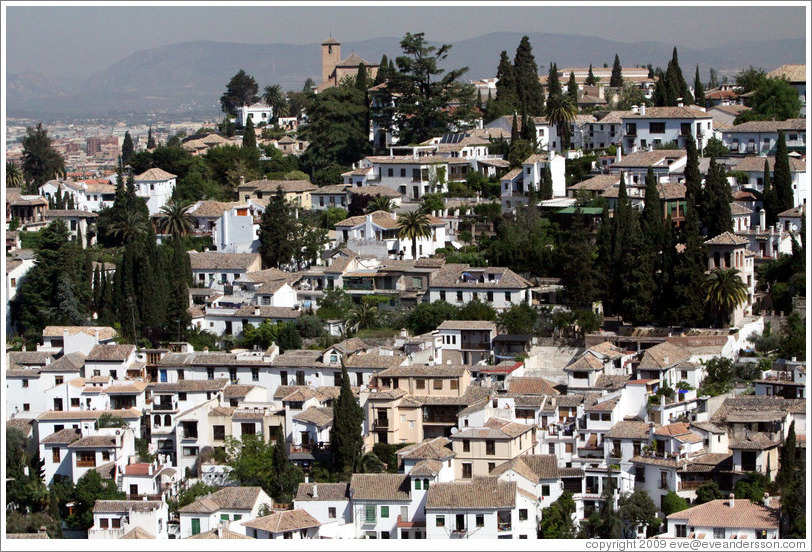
[{"x": 64, "y": 41}]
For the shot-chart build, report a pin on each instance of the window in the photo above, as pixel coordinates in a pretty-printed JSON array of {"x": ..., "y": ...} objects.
[
  {"x": 56, "y": 456},
  {"x": 480, "y": 520},
  {"x": 490, "y": 297},
  {"x": 663, "y": 479},
  {"x": 106, "y": 455},
  {"x": 232, "y": 374},
  {"x": 254, "y": 374},
  {"x": 440, "y": 521},
  {"x": 491, "y": 466},
  {"x": 490, "y": 447},
  {"x": 26, "y": 407},
  {"x": 466, "y": 471},
  {"x": 656, "y": 128},
  {"x": 189, "y": 451},
  {"x": 331, "y": 512},
  {"x": 420, "y": 384},
  {"x": 210, "y": 373},
  {"x": 425, "y": 484},
  {"x": 384, "y": 512},
  {"x": 223, "y": 517},
  {"x": 545, "y": 490},
  {"x": 718, "y": 532},
  {"x": 370, "y": 514},
  {"x": 454, "y": 384},
  {"x": 522, "y": 514},
  {"x": 25, "y": 383},
  {"x": 58, "y": 380},
  {"x": 680, "y": 531},
  {"x": 86, "y": 459},
  {"x": 104, "y": 523},
  {"x": 418, "y": 485},
  {"x": 438, "y": 384},
  {"x": 507, "y": 297},
  {"x": 219, "y": 432},
  {"x": 459, "y": 296},
  {"x": 195, "y": 526},
  {"x": 182, "y": 396}
]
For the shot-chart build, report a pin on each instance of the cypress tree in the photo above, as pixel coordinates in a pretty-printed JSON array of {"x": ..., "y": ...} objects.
[
  {"x": 479, "y": 103},
  {"x": 768, "y": 196},
  {"x": 97, "y": 289},
  {"x": 275, "y": 232},
  {"x": 590, "y": 77},
  {"x": 621, "y": 232},
  {"x": 553, "y": 84},
  {"x": 572, "y": 89},
  {"x": 689, "y": 274},
  {"x": 676, "y": 85},
  {"x": 506, "y": 82},
  {"x": 639, "y": 287},
  {"x": 346, "y": 438},
  {"x": 699, "y": 90},
  {"x": 381, "y": 75},
  {"x": 249, "y": 138},
  {"x": 577, "y": 264},
  {"x": 665, "y": 282},
  {"x": 652, "y": 218},
  {"x": 528, "y": 86},
  {"x": 716, "y": 201},
  {"x": 127, "y": 148},
  {"x": 782, "y": 177},
  {"x": 525, "y": 126},
  {"x": 150, "y": 140},
  {"x": 546, "y": 191},
  {"x": 616, "y": 80},
  {"x": 514, "y": 129},
  {"x": 531, "y": 133}
]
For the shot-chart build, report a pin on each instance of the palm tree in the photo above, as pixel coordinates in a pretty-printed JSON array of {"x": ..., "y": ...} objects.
[
  {"x": 273, "y": 96},
  {"x": 363, "y": 315},
  {"x": 561, "y": 112},
  {"x": 131, "y": 226},
  {"x": 725, "y": 291},
  {"x": 380, "y": 203},
  {"x": 174, "y": 219},
  {"x": 14, "y": 176},
  {"x": 414, "y": 225}
]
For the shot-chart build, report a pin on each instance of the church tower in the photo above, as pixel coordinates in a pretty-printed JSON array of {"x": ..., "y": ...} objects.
[{"x": 330, "y": 56}]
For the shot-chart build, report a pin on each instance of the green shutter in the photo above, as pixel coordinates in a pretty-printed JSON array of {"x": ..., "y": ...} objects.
[
  {"x": 237, "y": 517},
  {"x": 417, "y": 485},
  {"x": 195, "y": 526},
  {"x": 370, "y": 514},
  {"x": 223, "y": 517},
  {"x": 384, "y": 512}
]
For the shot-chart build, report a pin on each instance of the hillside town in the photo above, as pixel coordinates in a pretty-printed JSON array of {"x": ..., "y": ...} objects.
[{"x": 399, "y": 304}]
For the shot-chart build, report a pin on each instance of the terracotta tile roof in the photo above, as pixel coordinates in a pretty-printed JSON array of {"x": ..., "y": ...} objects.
[
  {"x": 282, "y": 522},
  {"x": 531, "y": 386},
  {"x": 62, "y": 437},
  {"x": 94, "y": 441},
  {"x": 287, "y": 186},
  {"x": 605, "y": 406},
  {"x": 11, "y": 372},
  {"x": 116, "y": 506},
  {"x": 211, "y": 209},
  {"x": 662, "y": 356},
  {"x": 72, "y": 362},
  {"x": 284, "y": 313},
  {"x": 373, "y": 190},
  {"x": 597, "y": 183},
  {"x": 208, "y": 359},
  {"x": 534, "y": 467},
  {"x": 380, "y": 487},
  {"x": 235, "y": 390},
  {"x": 319, "y": 416},
  {"x": 426, "y": 468},
  {"x": 25, "y": 425},
  {"x": 452, "y": 276},
  {"x": 127, "y": 414},
  {"x": 27, "y": 536},
  {"x": 495, "y": 428},
  {"x": 688, "y": 112},
  {"x": 298, "y": 358},
  {"x": 649, "y": 158},
  {"x": 190, "y": 386},
  {"x": 478, "y": 493},
  {"x": 137, "y": 533},
  {"x": 671, "y": 191},
  {"x": 425, "y": 370},
  {"x": 105, "y": 332},
  {"x": 752, "y": 163},
  {"x": 467, "y": 325},
  {"x": 409, "y": 160},
  {"x": 768, "y": 126},
  {"x": 793, "y": 73},
  {"x": 754, "y": 441},
  {"x": 229, "y": 498},
  {"x": 219, "y": 533},
  {"x": 30, "y": 358},
  {"x": 736, "y": 209},
  {"x": 126, "y": 388},
  {"x": 585, "y": 363},
  {"x": 325, "y": 492},
  {"x": 628, "y": 429},
  {"x": 349, "y": 346},
  {"x": 140, "y": 468},
  {"x": 709, "y": 427},
  {"x": 672, "y": 430},
  {"x": 373, "y": 360},
  {"x": 383, "y": 219},
  {"x": 110, "y": 353},
  {"x": 154, "y": 174},
  {"x": 662, "y": 462},
  {"x": 742, "y": 514},
  {"x": 709, "y": 462},
  {"x": 213, "y": 260},
  {"x": 428, "y": 449}
]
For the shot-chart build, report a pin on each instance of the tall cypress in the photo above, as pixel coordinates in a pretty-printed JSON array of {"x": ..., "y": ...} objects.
[
  {"x": 381, "y": 75},
  {"x": 621, "y": 232},
  {"x": 638, "y": 285},
  {"x": 689, "y": 274},
  {"x": 526, "y": 73},
  {"x": 514, "y": 129},
  {"x": 127, "y": 148},
  {"x": 577, "y": 264},
  {"x": 782, "y": 177},
  {"x": 616, "y": 80},
  {"x": 97, "y": 289},
  {"x": 546, "y": 191},
  {"x": 249, "y": 137},
  {"x": 716, "y": 200},
  {"x": 693, "y": 178},
  {"x": 553, "y": 84},
  {"x": 505, "y": 82},
  {"x": 572, "y": 89},
  {"x": 346, "y": 437},
  {"x": 768, "y": 196},
  {"x": 699, "y": 90},
  {"x": 651, "y": 222},
  {"x": 150, "y": 140},
  {"x": 590, "y": 77}
]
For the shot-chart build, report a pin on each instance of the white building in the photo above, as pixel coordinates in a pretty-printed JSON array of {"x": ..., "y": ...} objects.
[
  {"x": 377, "y": 234},
  {"x": 258, "y": 113},
  {"x": 156, "y": 187},
  {"x": 129, "y": 519},
  {"x": 88, "y": 195},
  {"x": 645, "y": 128},
  {"x": 459, "y": 284},
  {"x": 236, "y": 232},
  {"x": 725, "y": 519},
  {"x": 286, "y": 524},
  {"x": 761, "y": 137},
  {"x": 230, "y": 504},
  {"x": 329, "y": 504}
]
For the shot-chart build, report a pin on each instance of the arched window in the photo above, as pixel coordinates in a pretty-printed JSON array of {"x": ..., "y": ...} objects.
[
  {"x": 727, "y": 260},
  {"x": 716, "y": 259},
  {"x": 167, "y": 420},
  {"x": 157, "y": 420}
]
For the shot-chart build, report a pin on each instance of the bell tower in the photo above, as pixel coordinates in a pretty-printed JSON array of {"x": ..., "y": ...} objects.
[{"x": 330, "y": 56}]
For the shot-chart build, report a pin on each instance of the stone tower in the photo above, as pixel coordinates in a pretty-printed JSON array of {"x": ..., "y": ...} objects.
[{"x": 330, "y": 56}]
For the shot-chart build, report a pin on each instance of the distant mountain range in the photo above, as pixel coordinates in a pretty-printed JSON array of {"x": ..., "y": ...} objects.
[{"x": 188, "y": 78}]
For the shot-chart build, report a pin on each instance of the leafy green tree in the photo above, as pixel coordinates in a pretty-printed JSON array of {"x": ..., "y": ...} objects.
[
  {"x": 40, "y": 161},
  {"x": 752, "y": 487},
  {"x": 275, "y": 231},
  {"x": 768, "y": 196},
  {"x": 289, "y": 338},
  {"x": 556, "y": 520},
  {"x": 261, "y": 336},
  {"x": 90, "y": 488},
  {"x": 719, "y": 377},
  {"x": 362, "y": 316},
  {"x": 249, "y": 137},
  {"x": 519, "y": 319},
  {"x": 25, "y": 490},
  {"x": 108, "y": 420},
  {"x": 724, "y": 291},
  {"x": 425, "y": 317},
  {"x": 715, "y": 148},
  {"x": 346, "y": 437},
  {"x": 17, "y": 522},
  {"x": 335, "y": 129},
  {"x": 672, "y": 503},
  {"x": 175, "y": 219},
  {"x": 772, "y": 99},
  {"x": 791, "y": 482},
  {"x": 127, "y": 148},
  {"x": 616, "y": 80},
  {"x": 189, "y": 495},
  {"x": 476, "y": 310},
  {"x": 425, "y": 91},
  {"x": 241, "y": 90},
  {"x": 523, "y": 241},
  {"x": 380, "y": 203},
  {"x": 630, "y": 94},
  {"x": 332, "y": 215},
  {"x": 707, "y": 492},
  {"x": 546, "y": 191},
  {"x": 251, "y": 461},
  {"x": 793, "y": 342},
  {"x": 577, "y": 265},
  {"x": 637, "y": 510},
  {"x": 334, "y": 305},
  {"x": 553, "y": 84},
  {"x": 413, "y": 225}
]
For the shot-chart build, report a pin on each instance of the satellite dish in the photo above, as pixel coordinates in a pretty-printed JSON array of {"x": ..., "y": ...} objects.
[{"x": 454, "y": 430}]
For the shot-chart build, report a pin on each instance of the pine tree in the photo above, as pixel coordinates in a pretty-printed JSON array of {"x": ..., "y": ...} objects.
[
  {"x": 528, "y": 87},
  {"x": 572, "y": 89},
  {"x": 346, "y": 437},
  {"x": 127, "y": 148},
  {"x": 275, "y": 232},
  {"x": 699, "y": 90},
  {"x": 150, "y": 140},
  {"x": 590, "y": 77},
  {"x": 616, "y": 80},
  {"x": 249, "y": 137},
  {"x": 782, "y": 177}
]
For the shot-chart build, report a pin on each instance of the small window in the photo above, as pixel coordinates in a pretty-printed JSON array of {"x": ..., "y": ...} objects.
[
  {"x": 418, "y": 485},
  {"x": 522, "y": 514},
  {"x": 370, "y": 514},
  {"x": 467, "y": 471},
  {"x": 26, "y": 407},
  {"x": 466, "y": 446},
  {"x": 384, "y": 512},
  {"x": 480, "y": 520},
  {"x": 420, "y": 384},
  {"x": 331, "y": 513},
  {"x": 25, "y": 383},
  {"x": 545, "y": 490},
  {"x": 56, "y": 456},
  {"x": 454, "y": 384},
  {"x": 438, "y": 384},
  {"x": 182, "y": 396},
  {"x": 440, "y": 521},
  {"x": 490, "y": 447},
  {"x": 58, "y": 380},
  {"x": 104, "y": 523}
]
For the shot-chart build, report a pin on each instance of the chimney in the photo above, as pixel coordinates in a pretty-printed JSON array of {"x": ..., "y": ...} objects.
[
  {"x": 651, "y": 430},
  {"x": 205, "y": 349},
  {"x": 97, "y": 335},
  {"x": 642, "y": 109},
  {"x": 315, "y": 490},
  {"x": 679, "y": 102},
  {"x": 256, "y": 310},
  {"x": 635, "y": 109},
  {"x": 618, "y": 154},
  {"x": 762, "y": 219},
  {"x": 242, "y": 180},
  {"x": 731, "y": 501}
]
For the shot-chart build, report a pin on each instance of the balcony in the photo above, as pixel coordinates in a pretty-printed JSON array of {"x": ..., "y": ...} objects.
[
  {"x": 164, "y": 406},
  {"x": 689, "y": 485},
  {"x": 439, "y": 419},
  {"x": 380, "y": 423},
  {"x": 503, "y": 526},
  {"x": 86, "y": 463},
  {"x": 105, "y": 533},
  {"x": 461, "y": 533}
]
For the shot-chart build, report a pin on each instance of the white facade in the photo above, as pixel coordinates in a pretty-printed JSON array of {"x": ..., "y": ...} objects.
[
  {"x": 258, "y": 113},
  {"x": 236, "y": 232},
  {"x": 156, "y": 187},
  {"x": 650, "y": 127},
  {"x": 112, "y": 519}
]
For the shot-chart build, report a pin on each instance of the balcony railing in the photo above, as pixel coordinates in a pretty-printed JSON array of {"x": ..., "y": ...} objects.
[
  {"x": 85, "y": 463},
  {"x": 689, "y": 485},
  {"x": 163, "y": 406},
  {"x": 439, "y": 419},
  {"x": 503, "y": 526},
  {"x": 110, "y": 533},
  {"x": 459, "y": 533},
  {"x": 380, "y": 423}
]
